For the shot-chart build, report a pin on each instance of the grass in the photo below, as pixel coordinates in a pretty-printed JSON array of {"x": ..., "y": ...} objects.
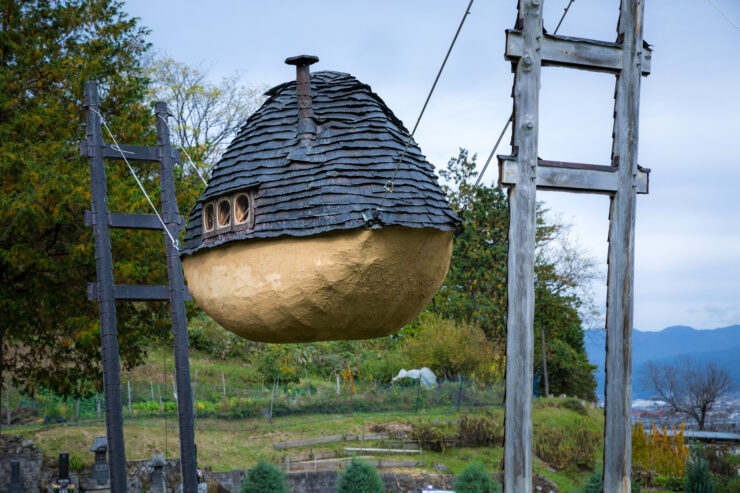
[{"x": 239, "y": 444}]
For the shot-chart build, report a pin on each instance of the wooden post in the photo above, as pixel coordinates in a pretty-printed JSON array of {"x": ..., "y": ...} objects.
[
  {"x": 522, "y": 228},
  {"x": 195, "y": 395},
  {"x": 176, "y": 284},
  {"x": 620, "y": 280},
  {"x": 159, "y": 391},
  {"x": 128, "y": 386},
  {"x": 544, "y": 361},
  {"x": 105, "y": 293},
  {"x": 151, "y": 387},
  {"x": 223, "y": 395}
]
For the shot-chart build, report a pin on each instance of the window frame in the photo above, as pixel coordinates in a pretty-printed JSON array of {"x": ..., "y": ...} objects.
[{"x": 232, "y": 225}]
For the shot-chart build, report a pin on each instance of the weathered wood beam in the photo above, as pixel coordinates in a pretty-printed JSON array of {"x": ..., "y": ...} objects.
[
  {"x": 105, "y": 293},
  {"x": 572, "y": 177},
  {"x": 585, "y": 54},
  {"x": 133, "y": 153},
  {"x": 521, "y": 254},
  {"x": 132, "y": 292},
  {"x": 132, "y": 221},
  {"x": 621, "y": 257}
]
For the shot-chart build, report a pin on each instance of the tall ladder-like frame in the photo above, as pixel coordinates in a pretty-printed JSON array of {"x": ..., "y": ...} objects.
[
  {"x": 528, "y": 48},
  {"x": 106, "y": 292}
]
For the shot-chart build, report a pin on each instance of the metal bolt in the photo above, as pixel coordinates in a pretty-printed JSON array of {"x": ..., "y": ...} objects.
[
  {"x": 529, "y": 124},
  {"x": 535, "y": 3},
  {"x": 527, "y": 60}
]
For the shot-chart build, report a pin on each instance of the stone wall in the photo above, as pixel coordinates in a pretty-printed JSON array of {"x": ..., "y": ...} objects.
[{"x": 30, "y": 458}]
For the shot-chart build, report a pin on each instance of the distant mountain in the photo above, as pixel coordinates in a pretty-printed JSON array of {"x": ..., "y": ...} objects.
[{"x": 672, "y": 343}]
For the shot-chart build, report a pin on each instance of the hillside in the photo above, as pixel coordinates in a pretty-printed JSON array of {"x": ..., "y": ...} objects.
[{"x": 671, "y": 344}]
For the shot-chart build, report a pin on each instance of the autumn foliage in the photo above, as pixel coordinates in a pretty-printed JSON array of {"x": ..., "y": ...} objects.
[{"x": 660, "y": 451}]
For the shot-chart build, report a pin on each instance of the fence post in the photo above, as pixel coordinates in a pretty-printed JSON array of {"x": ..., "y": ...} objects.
[
  {"x": 151, "y": 386},
  {"x": 195, "y": 392},
  {"x": 128, "y": 385},
  {"x": 223, "y": 395},
  {"x": 459, "y": 392},
  {"x": 159, "y": 391},
  {"x": 97, "y": 405}
]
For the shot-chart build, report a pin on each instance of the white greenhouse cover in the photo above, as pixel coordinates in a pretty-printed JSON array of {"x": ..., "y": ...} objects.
[{"x": 428, "y": 380}]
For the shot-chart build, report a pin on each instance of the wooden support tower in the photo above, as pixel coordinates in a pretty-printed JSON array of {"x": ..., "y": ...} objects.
[
  {"x": 529, "y": 49},
  {"x": 106, "y": 292}
]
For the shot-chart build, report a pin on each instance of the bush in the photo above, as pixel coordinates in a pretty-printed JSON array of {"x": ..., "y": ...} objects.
[
  {"x": 725, "y": 485},
  {"x": 660, "y": 451},
  {"x": 264, "y": 477},
  {"x": 698, "y": 479},
  {"x": 465, "y": 350},
  {"x": 574, "y": 405},
  {"x": 360, "y": 477},
  {"x": 671, "y": 483},
  {"x": 595, "y": 484},
  {"x": 572, "y": 445},
  {"x": 475, "y": 479}
]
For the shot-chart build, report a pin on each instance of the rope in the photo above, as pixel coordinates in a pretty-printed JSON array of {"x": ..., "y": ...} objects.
[
  {"x": 506, "y": 127},
  {"x": 116, "y": 147},
  {"x": 389, "y": 184},
  {"x": 725, "y": 15},
  {"x": 197, "y": 171}
]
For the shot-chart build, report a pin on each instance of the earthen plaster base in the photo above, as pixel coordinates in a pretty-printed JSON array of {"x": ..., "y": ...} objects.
[{"x": 353, "y": 284}]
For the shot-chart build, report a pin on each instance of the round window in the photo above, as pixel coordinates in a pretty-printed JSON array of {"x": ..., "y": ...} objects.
[
  {"x": 210, "y": 217},
  {"x": 224, "y": 213},
  {"x": 241, "y": 208}
]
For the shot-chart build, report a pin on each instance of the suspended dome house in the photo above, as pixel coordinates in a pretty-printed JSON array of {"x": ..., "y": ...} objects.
[{"x": 289, "y": 242}]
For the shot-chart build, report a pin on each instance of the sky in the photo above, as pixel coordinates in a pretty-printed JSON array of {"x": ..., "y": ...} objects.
[{"x": 687, "y": 250}]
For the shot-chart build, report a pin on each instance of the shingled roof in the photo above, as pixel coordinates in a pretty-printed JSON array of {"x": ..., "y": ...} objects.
[{"x": 328, "y": 185}]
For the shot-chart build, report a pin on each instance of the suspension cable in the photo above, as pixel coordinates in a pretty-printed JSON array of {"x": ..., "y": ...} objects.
[
  {"x": 116, "y": 147},
  {"x": 197, "y": 171},
  {"x": 506, "y": 127},
  {"x": 389, "y": 184}
]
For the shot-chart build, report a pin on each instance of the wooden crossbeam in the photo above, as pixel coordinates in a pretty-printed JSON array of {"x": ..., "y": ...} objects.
[
  {"x": 585, "y": 54},
  {"x": 131, "y": 292},
  {"x": 132, "y": 221},
  {"x": 572, "y": 177},
  {"x": 133, "y": 153}
]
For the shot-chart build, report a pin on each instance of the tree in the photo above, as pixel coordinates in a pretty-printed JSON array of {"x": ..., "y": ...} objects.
[
  {"x": 360, "y": 477},
  {"x": 689, "y": 388},
  {"x": 264, "y": 477},
  {"x": 475, "y": 479},
  {"x": 207, "y": 115},
  {"x": 48, "y": 329},
  {"x": 475, "y": 288}
]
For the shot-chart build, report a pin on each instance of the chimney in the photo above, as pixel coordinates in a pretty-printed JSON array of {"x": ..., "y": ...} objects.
[{"x": 306, "y": 124}]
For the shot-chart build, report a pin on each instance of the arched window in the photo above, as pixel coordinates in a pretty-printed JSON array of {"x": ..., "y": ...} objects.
[{"x": 228, "y": 213}]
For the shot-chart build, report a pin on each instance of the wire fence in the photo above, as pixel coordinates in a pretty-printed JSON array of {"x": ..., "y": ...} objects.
[{"x": 261, "y": 401}]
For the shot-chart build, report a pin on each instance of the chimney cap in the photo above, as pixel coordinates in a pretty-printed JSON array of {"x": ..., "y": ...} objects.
[{"x": 302, "y": 60}]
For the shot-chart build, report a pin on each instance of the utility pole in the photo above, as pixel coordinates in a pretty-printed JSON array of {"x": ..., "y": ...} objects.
[{"x": 523, "y": 172}]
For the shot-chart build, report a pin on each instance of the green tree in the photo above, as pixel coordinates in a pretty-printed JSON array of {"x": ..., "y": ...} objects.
[
  {"x": 264, "y": 477},
  {"x": 360, "y": 477},
  {"x": 698, "y": 479},
  {"x": 475, "y": 288},
  {"x": 49, "y": 330},
  {"x": 475, "y": 479}
]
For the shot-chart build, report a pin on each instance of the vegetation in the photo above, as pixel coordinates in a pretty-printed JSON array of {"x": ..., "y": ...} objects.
[
  {"x": 264, "y": 477},
  {"x": 474, "y": 291},
  {"x": 698, "y": 479},
  {"x": 665, "y": 454},
  {"x": 595, "y": 484},
  {"x": 475, "y": 479},
  {"x": 360, "y": 477},
  {"x": 690, "y": 388}
]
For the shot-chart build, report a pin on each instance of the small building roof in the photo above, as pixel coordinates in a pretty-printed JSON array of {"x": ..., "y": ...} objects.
[{"x": 327, "y": 185}]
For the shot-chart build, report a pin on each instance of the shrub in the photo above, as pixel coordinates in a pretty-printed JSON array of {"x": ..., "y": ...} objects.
[
  {"x": 671, "y": 483},
  {"x": 264, "y": 477},
  {"x": 572, "y": 445},
  {"x": 574, "y": 405},
  {"x": 465, "y": 350},
  {"x": 698, "y": 479},
  {"x": 664, "y": 453},
  {"x": 595, "y": 484},
  {"x": 360, "y": 477},
  {"x": 76, "y": 464},
  {"x": 475, "y": 479}
]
